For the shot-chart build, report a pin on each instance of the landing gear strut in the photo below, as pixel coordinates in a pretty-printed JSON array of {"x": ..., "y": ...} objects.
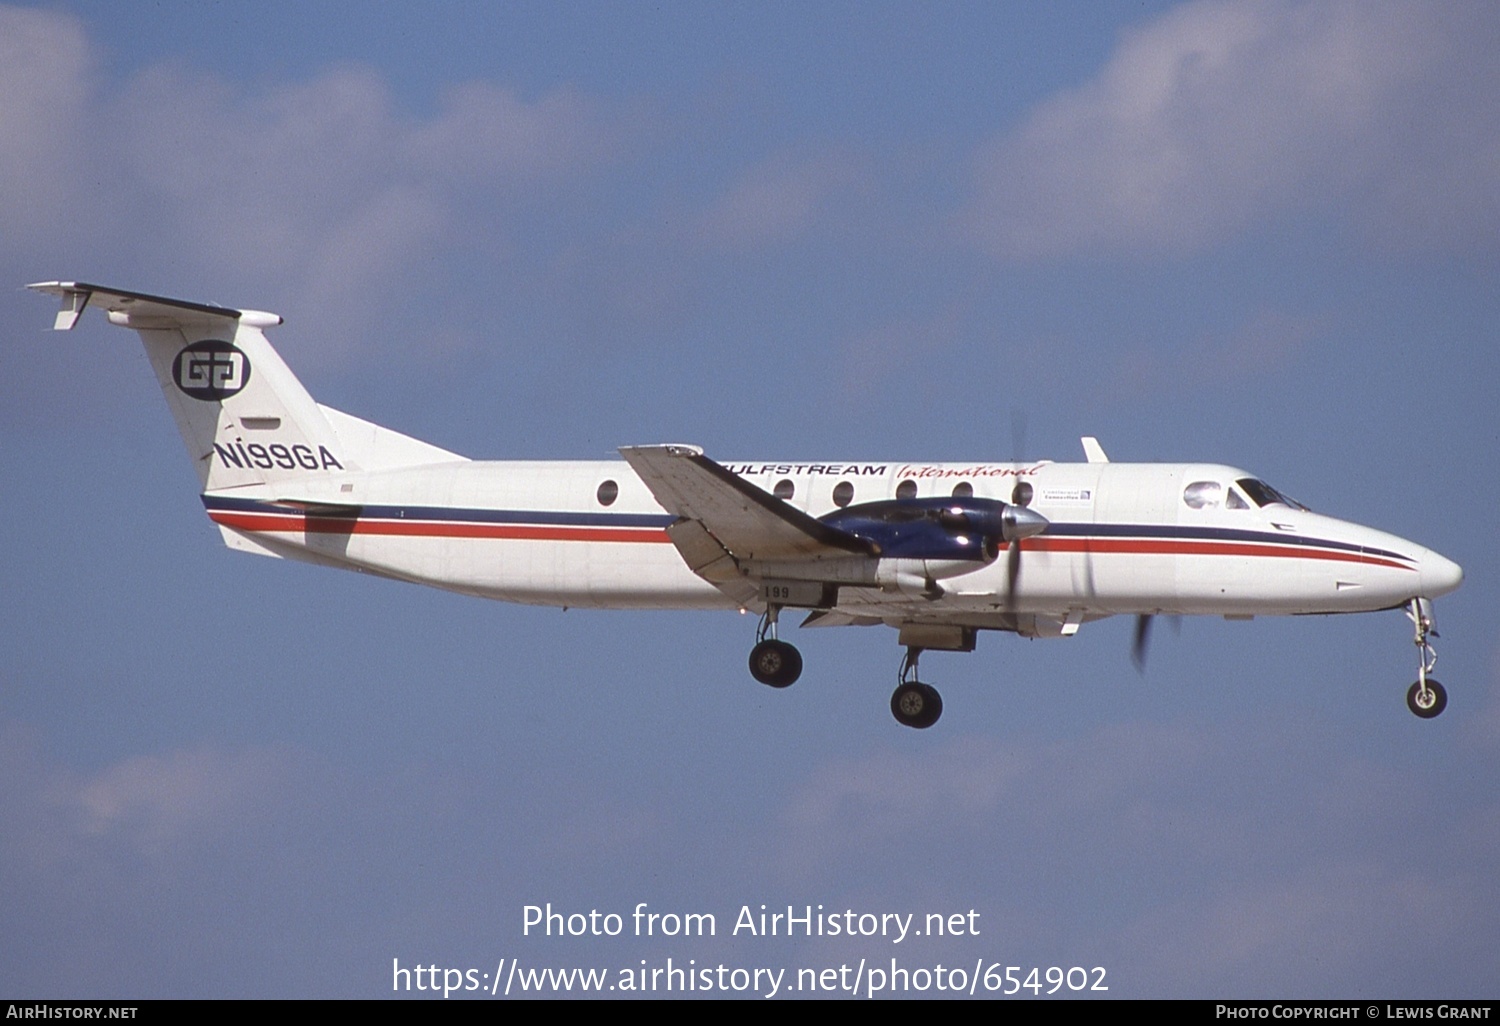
[
  {"x": 1427, "y": 698},
  {"x": 913, "y": 703},
  {"x": 773, "y": 661}
]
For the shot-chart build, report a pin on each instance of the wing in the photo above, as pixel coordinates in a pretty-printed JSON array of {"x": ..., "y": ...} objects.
[
  {"x": 751, "y": 524},
  {"x": 726, "y": 525}
]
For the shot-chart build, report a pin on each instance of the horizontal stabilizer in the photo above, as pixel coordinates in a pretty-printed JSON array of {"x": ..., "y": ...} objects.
[
  {"x": 140, "y": 309},
  {"x": 751, "y": 523}
]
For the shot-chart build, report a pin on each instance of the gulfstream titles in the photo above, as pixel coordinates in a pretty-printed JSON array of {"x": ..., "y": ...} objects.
[{"x": 796, "y": 921}]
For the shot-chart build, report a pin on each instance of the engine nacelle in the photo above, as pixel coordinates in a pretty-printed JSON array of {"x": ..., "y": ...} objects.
[
  {"x": 916, "y": 577},
  {"x": 939, "y": 531}
]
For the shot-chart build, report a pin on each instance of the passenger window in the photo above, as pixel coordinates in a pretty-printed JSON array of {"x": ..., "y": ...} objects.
[
  {"x": 607, "y": 494},
  {"x": 963, "y": 490},
  {"x": 1203, "y": 495},
  {"x": 843, "y": 494},
  {"x": 784, "y": 489},
  {"x": 906, "y": 489}
]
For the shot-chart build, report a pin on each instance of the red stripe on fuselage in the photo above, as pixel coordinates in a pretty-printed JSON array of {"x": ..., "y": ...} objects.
[
  {"x": 283, "y": 523},
  {"x": 279, "y": 523},
  {"x": 1177, "y": 547}
]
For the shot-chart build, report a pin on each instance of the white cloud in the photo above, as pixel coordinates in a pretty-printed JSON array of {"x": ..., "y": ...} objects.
[
  {"x": 779, "y": 199},
  {"x": 45, "y": 80},
  {"x": 159, "y": 808},
  {"x": 159, "y": 801},
  {"x": 1220, "y": 113},
  {"x": 321, "y": 191},
  {"x": 483, "y": 131}
]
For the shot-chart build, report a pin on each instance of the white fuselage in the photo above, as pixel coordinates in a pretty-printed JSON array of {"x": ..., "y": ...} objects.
[{"x": 1122, "y": 539}]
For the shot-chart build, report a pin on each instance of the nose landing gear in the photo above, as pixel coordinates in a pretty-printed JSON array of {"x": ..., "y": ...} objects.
[
  {"x": 1427, "y": 698},
  {"x": 773, "y": 661},
  {"x": 913, "y": 703}
]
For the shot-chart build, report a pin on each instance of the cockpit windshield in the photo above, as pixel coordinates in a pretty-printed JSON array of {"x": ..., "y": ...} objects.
[{"x": 1265, "y": 495}]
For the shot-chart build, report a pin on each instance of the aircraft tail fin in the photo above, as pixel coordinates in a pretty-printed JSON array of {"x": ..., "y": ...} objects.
[{"x": 244, "y": 416}]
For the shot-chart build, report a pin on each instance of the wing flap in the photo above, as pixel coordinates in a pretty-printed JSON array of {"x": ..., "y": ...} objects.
[{"x": 710, "y": 561}]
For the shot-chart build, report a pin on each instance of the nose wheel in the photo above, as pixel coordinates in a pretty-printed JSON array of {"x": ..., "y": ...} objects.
[
  {"x": 1426, "y": 698},
  {"x": 913, "y": 703},
  {"x": 772, "y": 661},
  {"x": 1427, "y": 701}
]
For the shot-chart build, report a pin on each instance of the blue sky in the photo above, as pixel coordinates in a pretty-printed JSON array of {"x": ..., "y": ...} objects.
[{"x": 1262, "y": 234}]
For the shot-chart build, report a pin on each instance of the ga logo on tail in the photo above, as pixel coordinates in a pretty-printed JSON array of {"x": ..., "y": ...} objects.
[{"x": 211, "y": 370}]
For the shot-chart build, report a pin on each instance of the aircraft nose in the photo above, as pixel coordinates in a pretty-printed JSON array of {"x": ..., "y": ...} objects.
[{"x": 1440, "y": 575}]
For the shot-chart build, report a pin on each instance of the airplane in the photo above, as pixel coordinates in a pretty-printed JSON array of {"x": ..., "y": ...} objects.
[{"x": 938, "y": 551}]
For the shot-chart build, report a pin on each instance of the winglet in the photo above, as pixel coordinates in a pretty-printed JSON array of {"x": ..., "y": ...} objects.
[{"x": 1093, "y": 450}]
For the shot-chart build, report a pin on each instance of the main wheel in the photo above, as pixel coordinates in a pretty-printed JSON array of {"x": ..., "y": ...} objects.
[
  {"x": 915, "y": 704},
  {"x": 775, "y": 663},
  {"x": 1427, "y": 705}
]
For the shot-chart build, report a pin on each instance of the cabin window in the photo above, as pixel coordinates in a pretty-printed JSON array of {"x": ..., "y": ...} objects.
[
  {"x": 843, "y": 494},
  {"x": 784, "y": 489},
  {"x": 608, "y": 492},
  {"x": 1022, "y": 493},
  {"x": 906, "y": 489},
  {"x": 963, "y": 490},
  {"x": 1203, "y": 495}
]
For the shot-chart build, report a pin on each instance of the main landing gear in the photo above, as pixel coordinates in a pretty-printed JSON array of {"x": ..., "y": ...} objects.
[
  {"x": 1427, "y": 698},
  {"x": 913, "y": 703},
  {"x": 779, "y": 664},
  {"x": 773, "y": 661}
]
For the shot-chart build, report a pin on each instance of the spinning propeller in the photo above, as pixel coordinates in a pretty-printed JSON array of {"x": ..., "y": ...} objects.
[
  {"x": 1020, "y": 521},
  {"x": 1142, "y": 639}
]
